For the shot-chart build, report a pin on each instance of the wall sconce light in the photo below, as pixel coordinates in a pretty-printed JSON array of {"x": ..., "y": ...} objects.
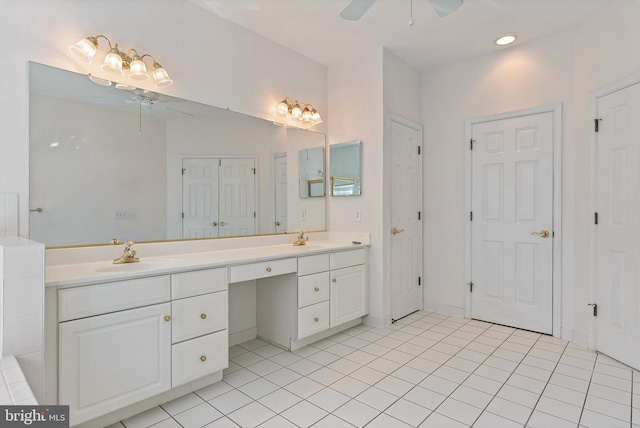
[
  {"x": 116, "y": 61},
  {"x": 305, "y": 113}
]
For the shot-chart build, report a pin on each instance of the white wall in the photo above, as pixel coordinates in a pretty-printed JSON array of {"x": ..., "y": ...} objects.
[
  {"x": 563, "y": 68},
  {"x": 356, "y": 113},
  {"x": 210, "y": 60}
]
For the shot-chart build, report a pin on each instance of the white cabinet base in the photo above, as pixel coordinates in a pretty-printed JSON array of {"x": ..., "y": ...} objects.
[{"x": 297, "y": 344}]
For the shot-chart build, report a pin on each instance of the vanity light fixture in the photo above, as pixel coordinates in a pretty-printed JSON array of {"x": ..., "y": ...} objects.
[
  {"x": 305, "y": 113},
  {"x": 505, "y": 40},
  {"x": 116, "y": 61}
]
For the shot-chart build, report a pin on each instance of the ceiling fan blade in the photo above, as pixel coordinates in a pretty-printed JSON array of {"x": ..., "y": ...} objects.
[
  {"x": 445, "y": 7},
  {"x": 356, "y": 9}
]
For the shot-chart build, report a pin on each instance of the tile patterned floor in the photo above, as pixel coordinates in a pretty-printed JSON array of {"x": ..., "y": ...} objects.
[{"x": 427, "y": 370}]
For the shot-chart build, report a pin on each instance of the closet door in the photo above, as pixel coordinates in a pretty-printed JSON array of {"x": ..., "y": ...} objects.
[
  {"x": 237, "y": 197},
  {"x": 200, "y": 198}
]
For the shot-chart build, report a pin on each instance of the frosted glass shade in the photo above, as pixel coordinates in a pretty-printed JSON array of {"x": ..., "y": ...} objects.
[{"x": 85, "y": 49}]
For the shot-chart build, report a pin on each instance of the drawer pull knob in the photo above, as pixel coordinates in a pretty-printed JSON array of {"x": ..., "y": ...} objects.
[
  {"x": 316, "y": 319},
  {"x": 203, "y": 358},
  {"x": 203, "y": 316},
  {"x": 317, "y": 289},
  {"x": 334, "y": 280},
  {"x": 268, "y": 269},
  {"x": 167, "y": 318}
]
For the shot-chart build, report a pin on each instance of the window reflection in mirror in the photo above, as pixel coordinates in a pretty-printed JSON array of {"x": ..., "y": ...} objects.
[{"x": 345, "y": 169}]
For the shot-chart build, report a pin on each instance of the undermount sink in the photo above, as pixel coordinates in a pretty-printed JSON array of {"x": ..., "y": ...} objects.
[{"x": 140, "y": 266}]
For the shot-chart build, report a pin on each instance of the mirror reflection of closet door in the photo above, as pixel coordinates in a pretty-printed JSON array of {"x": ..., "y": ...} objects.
[
  {"x": 280, "y": 168},
  {"x": 218, "y": 197}
]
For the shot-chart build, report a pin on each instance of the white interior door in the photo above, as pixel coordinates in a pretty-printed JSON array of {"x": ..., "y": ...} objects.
[
  {"x": 512, "y": 209},
  {"x": 200, "y": 198},
  {"x": 280, "y": 167},
  {"x": 406, "y": 206},
  {"x": 237, "y": 207},
  {"x": 618, "y": 229}
]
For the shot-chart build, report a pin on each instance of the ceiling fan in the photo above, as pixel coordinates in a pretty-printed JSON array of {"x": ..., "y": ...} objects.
[{"x": 357, "y": 8}]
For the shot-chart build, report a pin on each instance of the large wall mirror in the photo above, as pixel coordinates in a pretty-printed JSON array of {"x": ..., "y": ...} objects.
[
  {"x": 109, "y": 163},
  {"x": 345, "y": 169}
]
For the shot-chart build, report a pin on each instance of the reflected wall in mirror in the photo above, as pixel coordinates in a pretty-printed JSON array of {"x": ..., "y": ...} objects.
[
  {"x": 128, "y": 164},
  {"x": 311, "y": 172},
  {"x": 345, "y": 169}
]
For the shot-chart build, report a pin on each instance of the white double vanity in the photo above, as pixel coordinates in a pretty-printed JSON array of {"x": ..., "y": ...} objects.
[{"x": 123, "y": 338}]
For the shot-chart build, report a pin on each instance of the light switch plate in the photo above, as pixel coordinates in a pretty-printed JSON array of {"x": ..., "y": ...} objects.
[{"x": 357, "y": 215}]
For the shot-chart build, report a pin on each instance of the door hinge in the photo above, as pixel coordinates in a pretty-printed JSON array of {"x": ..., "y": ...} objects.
[
  {"x": 254, "y": 171},
  {"x": 471, "y": 141},
  {"x": 471, "y": 287},
  {"x": 471, "y": 216},
  {"x": 595, "y": 218},
  {"x": 183, "y": 170},
  {"x": 254, "y": 214},
  {"x": 419, "y": 150},
  {"x": 596, "y": 123},
  {"x": 595, "y": 308},
  {"x": 419, "y": 215},
  {"x": 419, "y": 280},
  {"x": 219, "y": 162},
  {"x": 182, "y": 215}
]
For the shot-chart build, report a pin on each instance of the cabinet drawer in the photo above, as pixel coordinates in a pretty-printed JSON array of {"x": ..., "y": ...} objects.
[
  {"x": 262, "y": 270},
  {"x": 199, "y": 282},
  {"x": 197, "y": 316},
  {"x": 313, "y": 319},
  {"x": 98, "y": 299},
  {"x": 313, "y": 264},
  {"x": 344, "y": 259},
  {"x": 313, "y": 289},
  {"x": 199, "y": 357}
]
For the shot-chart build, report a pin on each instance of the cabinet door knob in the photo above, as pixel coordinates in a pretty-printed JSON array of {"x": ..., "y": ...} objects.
[
  {"x": 334, "y": 280},
  {"x": 203, "y": 316},
  {"x": 316, "y": 319},
  {"x": 317, "y": 289},
  {"x": 215, "y": 223},
  {"x": 268, "y": 269},
  {"x": 203, "y": 358},
  {"x": 167, "y": 318}
]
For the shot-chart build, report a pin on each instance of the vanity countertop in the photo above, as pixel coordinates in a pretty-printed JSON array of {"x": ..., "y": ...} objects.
[{"x": 77, "y": 274}]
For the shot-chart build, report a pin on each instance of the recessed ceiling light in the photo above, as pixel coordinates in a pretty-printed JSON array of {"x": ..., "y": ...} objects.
[{"x": 505, "y": 40}]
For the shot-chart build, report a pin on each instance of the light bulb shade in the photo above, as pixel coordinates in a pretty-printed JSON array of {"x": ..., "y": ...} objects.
[
  {"x": 296, "y": 111},
  {"x": 99, "y": 81},
  {"x": 138, "y": 69},
  {"x": 113, "y": 62},
  {"x": 283, "y": 108},
  {"x": 161, "y": 76},
  {"x": 315, "y": 116},
  {"x": 85, "y": 49},
  {"x": 306, "y": 115}
]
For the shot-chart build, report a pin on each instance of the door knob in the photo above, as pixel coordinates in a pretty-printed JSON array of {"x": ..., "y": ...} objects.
[
  {"x": 277, "y": 223},
  {"x": 222, "y": 223},
  {"x": 215, "y": 223},
  {"x": 395, "y": 231},
  {"x": 542, "y": 233}
]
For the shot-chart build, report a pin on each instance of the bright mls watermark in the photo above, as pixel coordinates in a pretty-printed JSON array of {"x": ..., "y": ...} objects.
[{"x": 34, "y": 416}]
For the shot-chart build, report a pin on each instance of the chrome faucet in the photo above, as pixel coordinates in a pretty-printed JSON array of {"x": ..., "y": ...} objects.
[
  {"x": 302, "y": 240},
  {"x": 129, "y": 255}
]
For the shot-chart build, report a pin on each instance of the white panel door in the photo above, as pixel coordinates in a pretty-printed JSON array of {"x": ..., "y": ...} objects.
[
  {"x": 618, "y": 229},
  {"x": 110, "y": 361},
  {"x": 406, "y": 233},
  {"x": 512, "y": 205},
  {"x": 200, "y": 198},
  {"x": 348, "y": 294},
  {"x": 280, "y": 175},
  {"x": 237, "y": 207}
]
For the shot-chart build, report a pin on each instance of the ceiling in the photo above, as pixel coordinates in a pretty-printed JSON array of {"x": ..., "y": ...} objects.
[{"x": 315, "y": 29}]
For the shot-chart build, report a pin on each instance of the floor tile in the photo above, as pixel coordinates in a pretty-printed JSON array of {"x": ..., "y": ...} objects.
[
  {"x": 325, "y": 376},
  {"x": 423, "y": 365},
  {"x": 492, "y": 373},
  {"x": 331, "y": 421},
  {"x": 344, "y": 366},
  {"x": 377, "y": 398},
  {"x": 328, "y": 399},
  {"x": 304, "y": 414},
  {"x": 520, "y": 396},
  {"x": 264, "y": 367},
  {"x": 367, "y": 375},
  {"x": 323, "y": 358},
  {"x": 356, "y": 413},
  {"x": 462, "y": 364},
  {"x": 609, "y": 408},
  {"x": 253, "y": 344},
  {"x": 439, "y": 384},
  {"x": 181, "y": 404},
  {"x": 277, "y": 422},
  {"x": 592, "y": 419},
  {"x": 501, "y": 363},
  {"x": 540, "y": 419},
  {"x": 569, "y": 382},
  {"x": 280, "y": 400},
  {"x": 304, "y": 367},
  {"x": 410, "y": 375},
  {"x": 509, "y": 409},
  {"x": 167, "y": 423},
  {"x": 394, "y": 385},
  {"x": 247, "y": 359},
  {"x": 560, "y": 409},
  {"x": 285, "y": 358},
  {"x": 361, "y": 357},
  {"x": 304, "y": 387},
  {"x": 491, "y": 420},
  {"x": 398, "y": 356},
  {"x": 198, "y": 416},
  {"x": 611, "y": 381},
  {"x": 258, "y": 388},
  {"x": 527, "y": 383},
  {"x": 240, "y": 377},
  {"x": 451, "y": 373},
  {"x": 230, "y": 401},
  {"x": 283, "y": 377},
  {"x": 483, "y": 384},
  {"x": 340, "y": 350},
  {"x": 268, "y": 351},
  {"x": 462, "y": 412},
  {"x": 251, "y": 415},
  {"x": 472, "y": 396},
  {"x": 609, "y": 393},
  {"x": 436, "y": 420},
  {"x": 565, "y": 394},
  {"x": 147, "y": 418},
  {"x": 408, "y": 412},
  {"x": 349, "y": 386},
  {"x": 385, "y": 421},
  {"x": 383, "y": 365},
  {"x": 425, "y": 397}
]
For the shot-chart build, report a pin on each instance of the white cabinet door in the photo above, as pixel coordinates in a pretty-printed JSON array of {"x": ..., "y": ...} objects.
[
  {"x": 348, "y": 294},
  {"x": 110, "y": 361}
]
